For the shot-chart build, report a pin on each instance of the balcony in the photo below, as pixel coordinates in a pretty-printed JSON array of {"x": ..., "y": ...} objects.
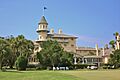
[{"x": 38, "y": 30}]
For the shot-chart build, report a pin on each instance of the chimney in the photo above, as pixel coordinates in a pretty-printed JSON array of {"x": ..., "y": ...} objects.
[
  {"x": 60, "y": 31},
  {"x": 51, "y": 31},
  {"x": 96, "y": 47}
]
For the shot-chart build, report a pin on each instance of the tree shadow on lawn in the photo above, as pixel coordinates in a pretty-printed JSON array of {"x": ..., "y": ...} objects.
[{"x": 13, "y": 71}]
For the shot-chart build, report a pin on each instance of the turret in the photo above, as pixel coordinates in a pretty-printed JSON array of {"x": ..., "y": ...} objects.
[{"x": 42, "y": 29}]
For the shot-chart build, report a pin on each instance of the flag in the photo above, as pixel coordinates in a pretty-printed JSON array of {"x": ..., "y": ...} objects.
[{"x": 45, "y": 8}]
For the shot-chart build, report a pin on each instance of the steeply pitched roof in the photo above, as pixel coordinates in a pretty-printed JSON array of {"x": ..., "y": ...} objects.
[
  {"x": 43, "y": 20},
  {"x": 62, "y": 35}
]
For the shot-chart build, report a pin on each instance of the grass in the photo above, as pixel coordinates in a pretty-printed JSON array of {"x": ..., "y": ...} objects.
[{"x": 61, "y": 75}]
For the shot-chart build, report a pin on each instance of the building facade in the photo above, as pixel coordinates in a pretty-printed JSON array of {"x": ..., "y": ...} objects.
[
  {"x": 82, "y": 55},
  {"x": 68, "y": 42}
]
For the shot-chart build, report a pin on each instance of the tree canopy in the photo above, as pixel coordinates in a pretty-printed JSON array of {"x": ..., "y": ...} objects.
[
  {"x": 52, "y": 54},
  {"x": 4, "y": 51},
  {"x": 112, "y": 43},
  {"x": 115, "y": 58},
  {"x": 13, "y": 47}
]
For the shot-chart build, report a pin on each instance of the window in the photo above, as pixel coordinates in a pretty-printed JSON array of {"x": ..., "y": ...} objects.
[
  {"x": 72, "y": 45},
  {"x": 72, "y": 38},
  {"x": 95, "y": 60},
  {"x": 65, "y": 40},
  {"x": 44, "y": 26},
  {"x": 39, "y": 36}
]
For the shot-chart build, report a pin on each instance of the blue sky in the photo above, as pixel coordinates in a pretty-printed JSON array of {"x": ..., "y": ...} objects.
[{"x": 93, "y": 21}]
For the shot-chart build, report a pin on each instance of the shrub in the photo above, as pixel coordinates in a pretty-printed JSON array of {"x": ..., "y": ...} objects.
[
  {"x": 105, "y": 67},
  {"x": 21, "y": 63},
  {"x": 82, "y": 66},
  {"x": 108, "y": 66},
  {"x": 36, "y": 67},
  {"x": 31, "y": 66}
]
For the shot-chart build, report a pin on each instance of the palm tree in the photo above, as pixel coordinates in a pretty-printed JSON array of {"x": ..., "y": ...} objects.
[
  {"x": 115, "y": 58},
  {"x": 116, "y": 34},
  {"x": 12, "y": 45},
  {"x": 15, "y": 47},
  {"x": 25, "y": 46},
  {"x": 117, "y": 39},
  {"x": 19, "y": 47},
  {"x": 112, "y": 43},
  {"x": 4, "y": 51}
]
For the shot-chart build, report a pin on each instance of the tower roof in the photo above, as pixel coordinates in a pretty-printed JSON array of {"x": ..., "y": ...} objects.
[{"x": 43, "y": 20}]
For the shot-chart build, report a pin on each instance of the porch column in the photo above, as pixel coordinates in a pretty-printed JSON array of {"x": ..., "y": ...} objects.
[{"x": 75, "y": 60}]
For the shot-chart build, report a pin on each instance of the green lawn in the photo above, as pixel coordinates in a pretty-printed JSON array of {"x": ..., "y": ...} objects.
[{"x": 61, "y": 75}]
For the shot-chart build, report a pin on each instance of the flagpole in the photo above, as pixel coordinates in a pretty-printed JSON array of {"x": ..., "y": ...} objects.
[
  {"x": 43, "y": 11},
  {"x": 44, "y": 8}
]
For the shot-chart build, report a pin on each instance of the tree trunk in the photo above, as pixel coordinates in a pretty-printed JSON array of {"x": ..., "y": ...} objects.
[{"x": 1, "y": 65}]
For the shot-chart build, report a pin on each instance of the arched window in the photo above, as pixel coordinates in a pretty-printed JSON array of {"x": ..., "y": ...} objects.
[
  {"x": 43, "y": 27},
  {"x": 40, "y": 37}
]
